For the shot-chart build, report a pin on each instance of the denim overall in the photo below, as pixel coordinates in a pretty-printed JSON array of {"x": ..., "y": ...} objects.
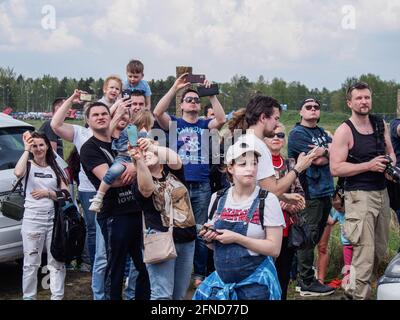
[{"x": 233, "y": 261}]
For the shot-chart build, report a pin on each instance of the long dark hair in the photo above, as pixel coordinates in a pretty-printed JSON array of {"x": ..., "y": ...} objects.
[{"x": 50, "y": 158}]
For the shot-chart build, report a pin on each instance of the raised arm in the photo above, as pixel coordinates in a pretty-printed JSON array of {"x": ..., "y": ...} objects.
[
  {"x": 165, "y": 155},
  {"x": 144, "y": 178},
  {"x": 160, "y": 111},
  {"x": 219, "y": 113},
  {"x": 62, "y": 129}
]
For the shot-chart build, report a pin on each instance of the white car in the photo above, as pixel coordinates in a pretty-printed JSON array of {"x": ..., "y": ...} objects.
[
  {"x": 11, "y": 148},
  {"x": 389, "y": 283}
]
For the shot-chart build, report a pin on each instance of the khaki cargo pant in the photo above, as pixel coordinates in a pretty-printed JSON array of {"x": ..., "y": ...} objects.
[{"x": 367, "y": 228}]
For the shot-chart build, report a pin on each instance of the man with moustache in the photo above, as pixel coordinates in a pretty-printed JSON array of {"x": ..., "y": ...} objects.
[
  {"x": 191, "y": 137},
  {"x": 357, "y": 153},
  {"x": 317, "y": 184}
]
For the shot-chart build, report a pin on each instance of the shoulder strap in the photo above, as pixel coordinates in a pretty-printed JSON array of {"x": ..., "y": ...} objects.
[
  {"x": 19, "y": 182},
  {"x": 220, "y": 193},
  {"x": 262, "y": 195},
  {"x": 28, "y": 169}
]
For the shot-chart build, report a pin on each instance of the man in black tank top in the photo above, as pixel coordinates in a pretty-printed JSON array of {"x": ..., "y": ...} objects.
[{"x": 357, "y": 153}]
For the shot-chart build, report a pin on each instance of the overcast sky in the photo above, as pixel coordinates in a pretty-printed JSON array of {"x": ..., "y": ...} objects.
[{"x": 318, "y": 43}]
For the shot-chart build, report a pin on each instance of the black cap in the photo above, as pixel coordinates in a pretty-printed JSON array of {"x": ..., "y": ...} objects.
[{"x": 308, "y": 99}]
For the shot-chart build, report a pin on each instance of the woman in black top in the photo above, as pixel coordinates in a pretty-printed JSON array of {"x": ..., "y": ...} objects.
[{"x": 155, "y": 182}]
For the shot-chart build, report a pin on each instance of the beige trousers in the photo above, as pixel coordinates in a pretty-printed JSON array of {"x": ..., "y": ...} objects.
[{"x": 367, "y": 228}]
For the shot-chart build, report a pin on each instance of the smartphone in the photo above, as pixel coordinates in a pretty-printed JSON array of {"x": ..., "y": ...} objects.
[
  {"x": 213, "y": 90},
  {"x": 126, "y": 94},
  {"x": 210, "y": 228},
  {"x": 86, "y": 97},
  {"x": 195, "y": 78},
  {"x": 132, "y": 134}
]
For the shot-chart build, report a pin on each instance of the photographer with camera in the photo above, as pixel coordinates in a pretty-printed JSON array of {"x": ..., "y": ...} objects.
[{"x": 358, "y": 153}]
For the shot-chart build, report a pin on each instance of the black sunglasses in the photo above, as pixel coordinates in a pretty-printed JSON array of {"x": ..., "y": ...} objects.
[
  {"x": 310, "y": 106},
  {"x": 192, "y": 99},
  {"x": 280, "y": 135}
]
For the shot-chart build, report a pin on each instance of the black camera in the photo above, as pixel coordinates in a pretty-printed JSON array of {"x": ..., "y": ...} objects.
[{"x": 391, "y": 170}]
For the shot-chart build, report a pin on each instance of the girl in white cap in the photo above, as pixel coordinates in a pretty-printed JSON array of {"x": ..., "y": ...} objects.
[{"x": 245, "y": 230}]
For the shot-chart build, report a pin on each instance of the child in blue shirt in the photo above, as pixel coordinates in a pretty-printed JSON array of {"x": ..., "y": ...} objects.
[{"x": 135, "y": 82}]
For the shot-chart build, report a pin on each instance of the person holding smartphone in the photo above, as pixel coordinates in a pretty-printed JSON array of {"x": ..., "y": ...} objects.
[{"x": 246, "y": 238}]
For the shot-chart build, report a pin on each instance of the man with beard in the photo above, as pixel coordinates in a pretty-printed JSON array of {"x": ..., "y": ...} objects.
[
  {"x": 317, "y": 184},
  {"x": 193, "y": 149},
  {"x": 357, "y": 153}
]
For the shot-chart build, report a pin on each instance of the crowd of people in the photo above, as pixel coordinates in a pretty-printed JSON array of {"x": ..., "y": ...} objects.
[{"x": 228, "y": 198}]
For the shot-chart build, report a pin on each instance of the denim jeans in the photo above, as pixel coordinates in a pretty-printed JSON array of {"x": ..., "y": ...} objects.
[
  {"x": 116, "y": 169},
  {"x": 90, "y": 220},
  {"x": 170, "y": 279},
  {"x": 123, "y": 235},
  {"x": 131, "y": 273},
  {"x": 99, "y": 266},
  {"x": 200, "y": 195},
  {"x": 398, "y": 215}
]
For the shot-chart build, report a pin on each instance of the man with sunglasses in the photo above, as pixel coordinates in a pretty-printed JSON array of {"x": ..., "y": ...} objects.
[
  {"x": 317, "y": 184},
  {"x": 193, "y": 148}
]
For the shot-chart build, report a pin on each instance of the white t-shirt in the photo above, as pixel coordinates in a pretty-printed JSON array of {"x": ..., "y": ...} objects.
[
  {"x": 237, "y": 211},
  {"x": 265, "y": 167},
  {"x": 81, "y": 135},
  {"x": 40, "y": 178}
]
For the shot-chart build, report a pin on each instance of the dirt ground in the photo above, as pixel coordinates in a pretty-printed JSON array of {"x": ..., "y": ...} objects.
[{"x": 77, "y": 286}]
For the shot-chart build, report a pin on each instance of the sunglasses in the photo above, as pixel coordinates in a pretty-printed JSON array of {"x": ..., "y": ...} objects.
[
  {"x": 192, "y": 99},
  {"x": 280, "y": 135},
  {"x": 310, "y": 106}
]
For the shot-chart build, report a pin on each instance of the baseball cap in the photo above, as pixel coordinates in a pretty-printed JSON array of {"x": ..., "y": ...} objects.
[
  {"x": 309, "y": 99},
  {"x": 239, "y": 148}
]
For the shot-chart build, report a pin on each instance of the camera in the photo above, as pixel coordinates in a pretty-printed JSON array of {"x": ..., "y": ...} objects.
[{"x": 391, "y": 170}]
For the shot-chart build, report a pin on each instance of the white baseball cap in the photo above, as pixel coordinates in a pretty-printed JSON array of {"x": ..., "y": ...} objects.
[{"x": 239, "y": 148}]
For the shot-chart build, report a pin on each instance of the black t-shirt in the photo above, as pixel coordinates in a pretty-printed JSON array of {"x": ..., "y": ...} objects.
[
  {"x": 48, "y": 131},
  {"x": 117, "y": 201},
  {"x": 153, "y": 216}
]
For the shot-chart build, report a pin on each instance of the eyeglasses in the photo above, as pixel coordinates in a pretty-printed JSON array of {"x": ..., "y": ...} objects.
[
  {"x": 192, "y": 99},
  {"x": 310, "y": 106},
  {"x": 280, "y": 135}
]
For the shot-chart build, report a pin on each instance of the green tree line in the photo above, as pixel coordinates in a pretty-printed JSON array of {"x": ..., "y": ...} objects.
[{"x": 28, "y": 94}]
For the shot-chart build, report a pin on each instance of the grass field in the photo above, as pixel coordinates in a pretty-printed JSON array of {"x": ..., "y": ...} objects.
[{"x": 329, "y": 121}]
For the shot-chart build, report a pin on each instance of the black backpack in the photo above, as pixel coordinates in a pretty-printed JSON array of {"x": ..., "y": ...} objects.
[{"x": 69, "y": 232}]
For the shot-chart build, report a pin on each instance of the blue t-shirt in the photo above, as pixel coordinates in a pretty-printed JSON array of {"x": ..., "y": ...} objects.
[
  {"x": 193, "y": 148},
  {"x": 339, "y": 216},
  {"x": 395, "y": 139},
  {"x": 142, "y": 85},
  {"x": 317, "y": 181}
]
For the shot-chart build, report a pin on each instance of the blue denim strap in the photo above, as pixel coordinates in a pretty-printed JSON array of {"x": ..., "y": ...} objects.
[
  {"x": 252, "y": 210},
  {"x": 221, "y": 202}
]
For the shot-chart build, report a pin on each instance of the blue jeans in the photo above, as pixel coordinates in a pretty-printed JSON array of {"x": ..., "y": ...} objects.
[
  {"x": 398, "y": 215},
  {"x": 131, "y": 275},
  {"x": 200, "y": 195},
  {"x": 99, "y": 266},
  {"x": 170, "y": 280},
  {"x": 90, "y": 220},
  {"x": 116, "y": 169}
]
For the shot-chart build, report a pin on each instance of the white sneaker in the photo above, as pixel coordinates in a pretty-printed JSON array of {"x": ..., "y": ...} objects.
[{"x": 96, "y": 205}]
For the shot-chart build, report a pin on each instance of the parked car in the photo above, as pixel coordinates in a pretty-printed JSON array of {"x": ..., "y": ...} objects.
[
  {"x": 11, "y": 149},
  {"x": 389, "y": 283}
]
